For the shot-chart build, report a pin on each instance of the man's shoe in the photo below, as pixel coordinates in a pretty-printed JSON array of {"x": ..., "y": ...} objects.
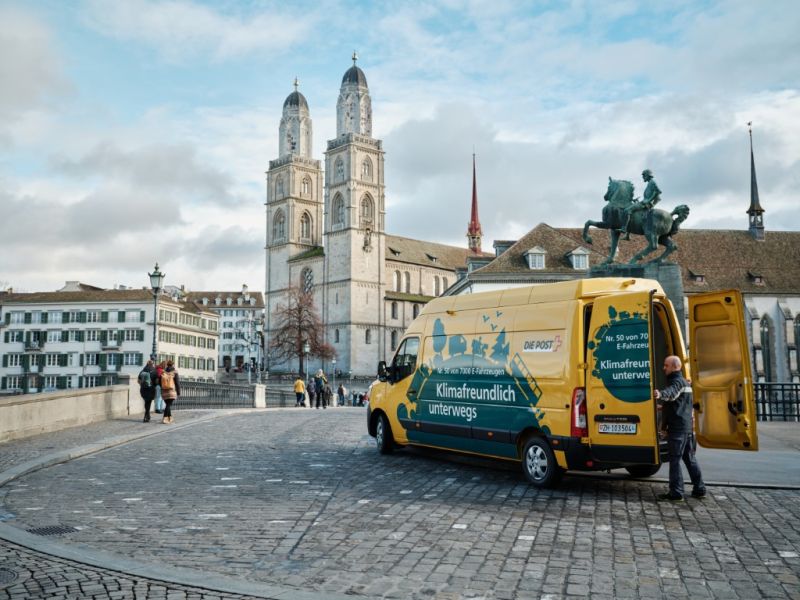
[
  {"x": 146, "y": 419},
  {"x": 669, "y": 497},
  {"x": 699, "y": 494}
]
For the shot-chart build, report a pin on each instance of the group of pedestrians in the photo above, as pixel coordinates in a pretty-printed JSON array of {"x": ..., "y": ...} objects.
[
  {"x": 317, "y": 391},
  {"x": 159, "y": 382}
]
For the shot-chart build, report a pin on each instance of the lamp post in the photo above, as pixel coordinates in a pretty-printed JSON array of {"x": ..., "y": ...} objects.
[
  {"x": 306, "y": 350},
  {"x": 156, "y": 283},
  {"x": 333, "y": 366}
]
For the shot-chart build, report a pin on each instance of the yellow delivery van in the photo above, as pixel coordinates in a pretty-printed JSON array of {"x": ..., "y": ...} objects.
[{"x": 561, "y": 376}]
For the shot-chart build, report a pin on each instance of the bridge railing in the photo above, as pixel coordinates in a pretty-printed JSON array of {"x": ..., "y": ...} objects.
[{"x": 196, "y": 394}]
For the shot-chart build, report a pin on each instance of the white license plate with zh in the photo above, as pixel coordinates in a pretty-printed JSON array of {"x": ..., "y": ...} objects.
[{"x": 623, "y": 428}]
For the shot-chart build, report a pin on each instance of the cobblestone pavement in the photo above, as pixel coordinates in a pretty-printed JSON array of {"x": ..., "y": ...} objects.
[{"x": 301, "y": 499}]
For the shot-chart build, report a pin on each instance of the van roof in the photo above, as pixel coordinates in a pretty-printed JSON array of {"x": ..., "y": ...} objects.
[{"x": 546, "y": 292}]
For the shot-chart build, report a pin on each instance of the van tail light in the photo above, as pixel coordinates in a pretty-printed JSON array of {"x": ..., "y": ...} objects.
[{"x": 578, "y": 426}]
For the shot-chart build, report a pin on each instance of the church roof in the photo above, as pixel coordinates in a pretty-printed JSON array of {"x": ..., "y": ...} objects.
[
  {"x": 427, "y": 254},
  {"x": 710, "y": 259},
  {"x": 295, "y": 99},
  {"x": 355, "y": 75}
]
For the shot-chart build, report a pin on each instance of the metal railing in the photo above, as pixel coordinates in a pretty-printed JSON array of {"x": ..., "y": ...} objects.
[
  {"x": 196, "y": 394},
  {"x": 777, "y": 401}
]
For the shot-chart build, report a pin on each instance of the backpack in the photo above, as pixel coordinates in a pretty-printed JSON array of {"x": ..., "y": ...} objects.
[
  {"x": 145, "y": 380},
  {"x": 167, "y": 381}
]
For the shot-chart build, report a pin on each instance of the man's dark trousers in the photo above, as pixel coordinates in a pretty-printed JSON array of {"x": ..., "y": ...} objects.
[{"x": 681, "y": 448}]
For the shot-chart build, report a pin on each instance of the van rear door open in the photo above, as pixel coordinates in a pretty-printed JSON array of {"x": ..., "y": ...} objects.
[
  {"x": 619, "y": 391},
  {"x": 721, "y": 374}
]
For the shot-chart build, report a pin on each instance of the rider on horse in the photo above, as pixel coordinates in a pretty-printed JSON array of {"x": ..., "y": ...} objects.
[{"x": 651, "y": 197}]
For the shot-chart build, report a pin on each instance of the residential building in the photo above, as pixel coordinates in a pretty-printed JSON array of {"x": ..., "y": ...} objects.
[{"x": 85, "y": 336}]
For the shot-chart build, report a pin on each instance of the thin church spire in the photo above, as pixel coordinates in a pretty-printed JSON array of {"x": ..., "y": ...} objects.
[
  {"x": 474, "y": 232},
  {"x": 755, "y": 212}
]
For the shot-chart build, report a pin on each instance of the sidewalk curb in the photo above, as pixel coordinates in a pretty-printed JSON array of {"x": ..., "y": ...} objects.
[{"x": 132, "y": 568}]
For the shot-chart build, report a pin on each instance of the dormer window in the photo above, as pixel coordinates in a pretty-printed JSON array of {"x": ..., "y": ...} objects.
[
  {"x": 431, "y": 257},
  {"x": 218, "y": 301},
  {"x": 205, "y": 301},
  {"x": 252, "y": 301},
  {"x": 755, "y": 278},
  {"x": 696, "y": 277},
  {"x": 394, "y": 252},
  {"x": 229, "y": 301},
  {"x": 240, "y": 301},
  {"x": 535, "y": 257},
  {"x": 579, "y": 259}
]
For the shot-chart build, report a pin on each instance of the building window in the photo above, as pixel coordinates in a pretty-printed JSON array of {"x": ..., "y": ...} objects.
[
  {"x": 535, "y": 258},
  {"x": 339, "y": 169},
  {"x": 338, "y": 210},
  {"x": 436, "y": 289},
  {"x": 93, "y": 335},
  {"x": 49, "y": 383},
  {"x": 394, "y": 310},
  {"x": 53, "y": 335},
  {"x": 305, "y": 188},
  {"x": 766, "y": 347},
  {"x": 397, "y": 282},
  {"x": 15, "y": 335},
  {"x": 305, "y": 227},
  {"x": 92, "y": 316},
  {"x": 17, "y": 316},
  {"x": 416, "y": 310},
  {"x": 92, "y": 359},
  {"x": 130, "y": 358},
  {"x": 335, "y": 336},
  {"x": 368, "y": 336},
  {"x": 90, "y": 381},
  {"x": 54, "y": 316},
  {"x": 579, "y": 261},
  {"x": 366, "y": 169},
  {"x": 306, "y": 280},
  {"x": 51, "y": 360},
  {"x": 407, "y": 277},
  {"x": 14, "y": 360},
  {"x": 366, "y": 210},
  {"x": 278, "y": 228},
  {"x": 394, "y": 340},
  {"x": 279, "y": 187}
]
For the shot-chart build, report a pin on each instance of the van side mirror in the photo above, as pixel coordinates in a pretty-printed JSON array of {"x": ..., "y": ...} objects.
[{"x": 383, "y": 375}]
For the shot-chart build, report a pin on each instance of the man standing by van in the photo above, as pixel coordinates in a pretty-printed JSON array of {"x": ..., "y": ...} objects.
[{"x": 676, "y": 418}]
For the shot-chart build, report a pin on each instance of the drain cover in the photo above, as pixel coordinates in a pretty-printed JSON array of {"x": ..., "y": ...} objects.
[
  {"x": 52, "y": 530},
  {"x": 7, "y": 577}
]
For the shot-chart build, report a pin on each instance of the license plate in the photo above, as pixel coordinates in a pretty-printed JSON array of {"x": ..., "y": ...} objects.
[{"x": 624, "y": 428}]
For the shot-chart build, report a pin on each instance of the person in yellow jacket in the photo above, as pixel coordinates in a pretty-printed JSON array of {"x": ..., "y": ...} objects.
[{"x": 300, "y": 391}]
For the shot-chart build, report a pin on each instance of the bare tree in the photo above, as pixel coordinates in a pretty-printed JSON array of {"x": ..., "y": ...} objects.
[{"x": 297, "y": 322}]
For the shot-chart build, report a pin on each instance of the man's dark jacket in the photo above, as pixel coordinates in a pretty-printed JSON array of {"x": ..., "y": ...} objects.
[{"x": 676, "y": 401}]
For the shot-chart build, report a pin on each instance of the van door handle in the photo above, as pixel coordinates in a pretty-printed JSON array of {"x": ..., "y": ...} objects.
[{"x": 412, "y": 392}]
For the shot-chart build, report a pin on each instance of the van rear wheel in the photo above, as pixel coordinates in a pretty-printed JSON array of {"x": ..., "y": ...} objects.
[
  {"x": 642, "y": 471},
  {"x": 539, "y": 463},
  {"x": 383, "y": 435}
]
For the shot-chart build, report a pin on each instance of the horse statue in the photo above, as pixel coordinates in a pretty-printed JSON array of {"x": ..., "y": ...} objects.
[{"x": 656, "y": 225}]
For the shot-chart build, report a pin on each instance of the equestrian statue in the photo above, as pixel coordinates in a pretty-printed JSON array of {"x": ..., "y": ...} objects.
[{"x": 625, "y": 214}]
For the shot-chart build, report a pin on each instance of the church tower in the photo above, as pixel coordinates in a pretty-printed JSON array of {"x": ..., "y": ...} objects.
[
  {"x": 755, "y": 212},
  {"x": 474, "y": 232},
  {"x": 354, "y": 231},
  {"x": 294, "y": 215}
]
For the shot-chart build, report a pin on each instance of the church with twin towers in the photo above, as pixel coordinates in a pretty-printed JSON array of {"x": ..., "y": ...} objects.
[{"x": 326, "y": 235}]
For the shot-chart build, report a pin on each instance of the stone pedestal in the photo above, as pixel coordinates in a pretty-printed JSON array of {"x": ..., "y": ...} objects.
[{"x": 667, "y": 274}]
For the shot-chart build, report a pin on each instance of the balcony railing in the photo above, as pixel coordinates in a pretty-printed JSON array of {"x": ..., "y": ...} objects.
[
  {"x": 34, "y": 346},
  {"x": 778, "y": 401}
]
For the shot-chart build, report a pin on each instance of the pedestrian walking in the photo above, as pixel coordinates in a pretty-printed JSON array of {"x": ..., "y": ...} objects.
[
  {"x": 147, "y": 388},
  {"x": 170, "y": 390},
  {"x": 676, "y": 418},
  {"x": 342, "y": 393},
  {"x": 159, "y": 400},
  {"x": 299, "y": 391},
  {"x": 311, "y": 388},
  {"x": 320, "y": 381}
]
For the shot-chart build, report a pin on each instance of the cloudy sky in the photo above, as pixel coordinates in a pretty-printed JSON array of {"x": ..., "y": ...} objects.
[{"x": 136, "y": 131}]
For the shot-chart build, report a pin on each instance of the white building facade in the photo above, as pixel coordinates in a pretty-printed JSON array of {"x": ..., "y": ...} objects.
[{"x": 87, "y": 338}]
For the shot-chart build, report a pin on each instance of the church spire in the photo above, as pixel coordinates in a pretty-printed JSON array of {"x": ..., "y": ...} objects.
[
  {"x": 474, "y": 232},
  {"x": 755, "y": 211}
]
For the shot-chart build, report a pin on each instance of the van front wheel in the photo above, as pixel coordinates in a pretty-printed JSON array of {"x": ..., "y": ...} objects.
[
  {"x": 539, "y": 463},
  {"x": 383, "y": 435}
]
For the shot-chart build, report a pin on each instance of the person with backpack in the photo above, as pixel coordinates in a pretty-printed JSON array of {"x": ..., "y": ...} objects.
[
  {"x": 147, "y": 388},
  {"x": 170, "y": 390},
  {"x": 320, "y": 381}
]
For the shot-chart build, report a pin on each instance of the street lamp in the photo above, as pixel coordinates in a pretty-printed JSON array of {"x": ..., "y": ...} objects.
[
  {"x": 333, "y": 366},
  {"x": 306, "y": 350},
  {"x": 156, "y": 282}
]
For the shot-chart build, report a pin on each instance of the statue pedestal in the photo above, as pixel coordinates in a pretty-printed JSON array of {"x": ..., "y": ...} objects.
[{"x": 667, "y": 274}]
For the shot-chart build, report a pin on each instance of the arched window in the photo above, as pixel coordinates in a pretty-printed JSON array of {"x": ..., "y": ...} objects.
[
  {"x": 444, "y": 284},
  {"x": 335, "y": 336},
  {"x": 766, "y": 347},
  {"x": 397, "y": 282},
  {"x": 416, "y": 310},
  {"x": 278, "y": 226},
  {"x": 305, "y": 188},
  {"x": 305, "y": 227},
  {"x": 366, "y": 210},
  {"x": 394, "y": 310},
  {"x": 436, "y": 290},
  {"x": 408, "y": 282},
  {"x": 339, "y": 169},
  {"x": 279, "y": 187},
  {"x": 338, "y": 210},
  {"x": 394, "y": 340},
  {"x": 368, "y": 336},
  {"x": 366, "y": 169},
  {"x": 306, "y": 280}
]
